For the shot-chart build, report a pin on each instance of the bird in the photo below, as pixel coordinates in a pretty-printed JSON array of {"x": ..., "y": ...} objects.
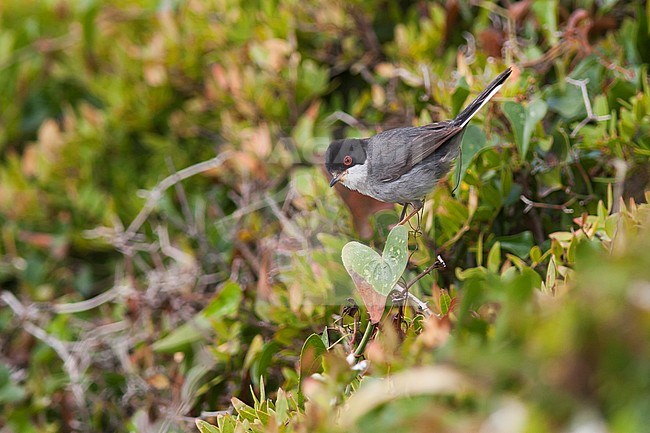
[{"x": 402, "y": 165}]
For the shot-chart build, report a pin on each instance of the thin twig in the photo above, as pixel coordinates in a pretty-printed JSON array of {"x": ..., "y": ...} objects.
[
  {"x": 287, "y": 224},
  {"x": 88, "y": 304},
  {"x": 156, "y": 193},
  {"x": 215, "y": 413},
  {"x": 582, "y": 84},
  {"x": 413, "y": 300},
  {"x": 29, "y": 313},
  {"x": 185, "y": 204},
  {"x": 70, "y": 363},
  {"x": 438, "y": 264},
  {"x": 343, "y": 117},
  {"x": 419, "y": 305},
  {"x": 173, "y": 252},
  {"x": 564, "y": 207}
]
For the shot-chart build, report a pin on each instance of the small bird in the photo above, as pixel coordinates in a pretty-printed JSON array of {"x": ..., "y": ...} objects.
[{"x": 403, "y": 165}]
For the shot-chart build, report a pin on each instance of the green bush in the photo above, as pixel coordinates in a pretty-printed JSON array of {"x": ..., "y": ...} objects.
[{"x": 137, "y": 295}]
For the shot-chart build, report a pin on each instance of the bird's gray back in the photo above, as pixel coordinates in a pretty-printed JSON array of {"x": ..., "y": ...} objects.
[{"x": 394, "y": 148}]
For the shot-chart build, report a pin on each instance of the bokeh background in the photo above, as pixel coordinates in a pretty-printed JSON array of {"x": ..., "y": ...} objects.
[{"x": 169, "y": 240}]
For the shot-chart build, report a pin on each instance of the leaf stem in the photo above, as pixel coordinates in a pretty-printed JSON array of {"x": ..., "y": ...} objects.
[{"x": 364, "y": 340}]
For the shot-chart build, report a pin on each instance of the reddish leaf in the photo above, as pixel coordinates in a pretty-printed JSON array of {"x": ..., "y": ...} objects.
[{"x": 374, "y": 301}]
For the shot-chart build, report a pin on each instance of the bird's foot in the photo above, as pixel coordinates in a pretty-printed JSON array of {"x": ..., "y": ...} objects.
[{"x": 417, "y": 206}]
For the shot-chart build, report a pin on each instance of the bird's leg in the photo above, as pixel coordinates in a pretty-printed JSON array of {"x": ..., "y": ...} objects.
[
  {"x": 417, "y": 205},
  {"x": 401, "y": 217}
]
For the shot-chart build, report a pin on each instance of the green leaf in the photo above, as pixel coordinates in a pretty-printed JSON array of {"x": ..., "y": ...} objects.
[
  {"x": 325, "y": 337},
  {"x": 262, "y": 361},
  {"x": 551, "y": 274},
  {"x": 205, "y": 427},
  {"x": 474, "y": 141},
  {"x": 225, "y": 303},
  {"x": 549, "y": 181},
  {"x": 245, "y": 411},
  {"x": 523, "y": 121},
  {"x": 311, "y": 356},
  {"x": 535, "y": 254},
  {"x": 518, "y": 244},
  {"x": 459, "y": 96},
  {"x": 9, "y": 391},
  {"x": 547, "y": 13},
  {"x": 281, "y": 407},
  {"x": 494, "y": 258},
  {"x": 566, "y": 101},
  {"x": 381, "y": 272},
  {"x": 516, "y": 114},
  {"x": 445, "y": 303}
]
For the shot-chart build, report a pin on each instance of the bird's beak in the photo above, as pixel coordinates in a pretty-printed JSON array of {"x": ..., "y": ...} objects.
[{"x": 337, "y": 177}]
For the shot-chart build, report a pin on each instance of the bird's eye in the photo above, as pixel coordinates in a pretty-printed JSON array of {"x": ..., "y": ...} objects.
[{"x": 347, "y": 161}]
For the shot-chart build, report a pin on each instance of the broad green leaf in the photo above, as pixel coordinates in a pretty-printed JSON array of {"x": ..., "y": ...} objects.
[
  {"x": 535, "y": 113},
  {"x": 459, "y": 96},
  {"x": 523, "y": 121},
  {"x": 522, "y": 286},
  {"x": 474, "y": 141},
  {"x": 518, "y": 244},
  {"x": 381, "y": 272},
  {"x": 549, "y": 181},
  {"x": 516, "y": 114},
  {"x": 566, "y": 101}
]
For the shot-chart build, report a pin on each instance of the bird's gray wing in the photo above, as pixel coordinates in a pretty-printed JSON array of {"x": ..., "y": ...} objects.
[{"x": 397, "y": 151}]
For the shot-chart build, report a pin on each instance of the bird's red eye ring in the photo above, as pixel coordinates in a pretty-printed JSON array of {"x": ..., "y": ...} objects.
[{"x": 347, "y": 161}]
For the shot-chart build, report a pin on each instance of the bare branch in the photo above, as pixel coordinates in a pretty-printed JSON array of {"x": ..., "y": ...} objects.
[
  {"x": 564, "y": 207},
  {"x": 582, "y": 84},
  {"x": 70, "y": 363},
  {"x": 156, "y": 193}
]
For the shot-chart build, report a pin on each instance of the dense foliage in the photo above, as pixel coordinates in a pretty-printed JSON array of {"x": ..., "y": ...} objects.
[{"x": 170, "y": 247}]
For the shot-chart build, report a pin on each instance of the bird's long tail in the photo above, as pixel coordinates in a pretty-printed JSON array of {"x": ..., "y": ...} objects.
[{"x": 466, "y": 115}]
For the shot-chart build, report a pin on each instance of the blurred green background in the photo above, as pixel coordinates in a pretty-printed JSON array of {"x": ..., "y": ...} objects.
[{"x": 136, "y": 296}]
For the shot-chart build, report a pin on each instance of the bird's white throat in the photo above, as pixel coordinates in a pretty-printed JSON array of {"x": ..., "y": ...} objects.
[{"x": 356, "y": 178}]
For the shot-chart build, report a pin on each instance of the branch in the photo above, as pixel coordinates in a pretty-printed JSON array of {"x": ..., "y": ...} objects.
[
  {"x": 564, "y": 207},
  {"x": 156, "y": 193},
  {"x": 585, "y": 99},
  {"x": 70, "y": 363}
]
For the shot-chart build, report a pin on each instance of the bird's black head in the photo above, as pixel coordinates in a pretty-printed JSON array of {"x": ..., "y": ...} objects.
[{"x": 343, "y": 154}]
